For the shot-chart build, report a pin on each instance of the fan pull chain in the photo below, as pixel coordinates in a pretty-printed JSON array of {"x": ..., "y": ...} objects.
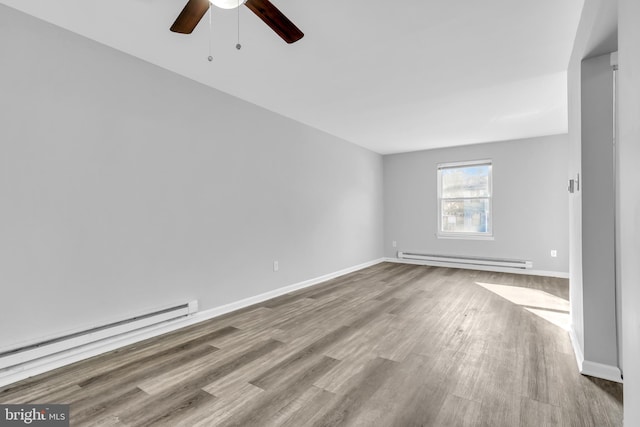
[
  {"x": 210, "y": 58},
  {"x": 238, "y": 45}
]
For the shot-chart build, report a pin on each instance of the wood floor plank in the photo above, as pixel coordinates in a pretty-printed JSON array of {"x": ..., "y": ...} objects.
[
  {"x": 403, "y": 401},
  {"x": 139, "y": 369},
  {"x": 222, "y": 408},
  {"x": 539, "y": 414},
  {"x": 389, "y": 345},
  {"x": 456, "y": 411},
  {"x": 167, "y": 409},
  {"x": 272, "y": 375},
  {"x": 239, "y": 379},
  {"x": 269, "y": 404},
  {"x": 108, "y": 390},
  {"x": 362, "y": 387},
  {"x": 337, "y": 379},
  {"x": 106, "y": 407},
  {"x": 305, "y": 410},
  {"x": 209, "y": 372}
]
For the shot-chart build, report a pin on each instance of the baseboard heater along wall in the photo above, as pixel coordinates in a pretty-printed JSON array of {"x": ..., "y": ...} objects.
[
  {"x": 47, "y": 347},
  {"x": 479, "y": 261}
]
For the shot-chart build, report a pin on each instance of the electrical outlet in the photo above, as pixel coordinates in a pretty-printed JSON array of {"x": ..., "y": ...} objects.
[
  {"x": 394, "y": 244},
  {"x": 276, "y": 266},
  {"x": 554, "y": 253}
]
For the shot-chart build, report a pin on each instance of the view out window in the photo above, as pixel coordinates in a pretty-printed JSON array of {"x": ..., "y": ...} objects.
[{"x": 464, "y": 199}]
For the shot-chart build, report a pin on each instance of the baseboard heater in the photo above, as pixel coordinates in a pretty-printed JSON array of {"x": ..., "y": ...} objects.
[
  {"x": 33, "y": 351},
  {"x": 476, "y": 261}
]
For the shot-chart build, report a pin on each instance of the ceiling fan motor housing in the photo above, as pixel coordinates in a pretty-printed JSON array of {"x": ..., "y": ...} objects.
[{"x": 227, "y": 4}]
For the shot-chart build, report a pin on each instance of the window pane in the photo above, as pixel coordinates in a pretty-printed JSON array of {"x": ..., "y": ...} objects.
[
  {"x": 467, "y": 216},
  {"x": 465, "y": 181}
]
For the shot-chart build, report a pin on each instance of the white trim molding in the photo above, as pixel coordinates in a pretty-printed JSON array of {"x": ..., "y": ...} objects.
[
  {"x": 91, "y": 349},
  {"x": 593, "y": 369},
  {"x": 599, "y": 370},
  {"x": 577, "y": 348}
]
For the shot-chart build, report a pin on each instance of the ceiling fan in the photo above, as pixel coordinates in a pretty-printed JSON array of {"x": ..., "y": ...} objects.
[{"x": 194, "y": 10}]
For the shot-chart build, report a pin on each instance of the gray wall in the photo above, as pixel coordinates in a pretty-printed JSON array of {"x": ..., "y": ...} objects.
[
  {"x": 597, "y": 35},
  {"x": 530, "y": 205},
  {"x": 629, "y": 201},
  {"x": 598, "y": 201},
  {"x": 125, "y": 187}
]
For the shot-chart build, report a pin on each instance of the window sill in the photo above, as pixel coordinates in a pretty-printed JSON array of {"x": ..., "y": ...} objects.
[{"x": 464, "y": 237}]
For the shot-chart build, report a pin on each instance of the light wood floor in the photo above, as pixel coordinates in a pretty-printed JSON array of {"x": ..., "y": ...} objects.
[{"x": 391, "y": 345}]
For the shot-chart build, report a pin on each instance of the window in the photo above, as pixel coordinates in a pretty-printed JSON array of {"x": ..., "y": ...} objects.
[{"x": 464, "y": 199}]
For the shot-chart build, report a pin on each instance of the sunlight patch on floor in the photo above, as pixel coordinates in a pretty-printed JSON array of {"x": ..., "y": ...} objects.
[{"x": 549, "y": 307}]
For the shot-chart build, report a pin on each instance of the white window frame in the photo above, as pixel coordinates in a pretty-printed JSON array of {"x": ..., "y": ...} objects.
[{"x": 488, "y": 235}]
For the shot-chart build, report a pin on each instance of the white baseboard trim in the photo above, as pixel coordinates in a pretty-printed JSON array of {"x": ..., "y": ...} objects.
[
  {"x": 593, "y": 369},
  {"x": 599, "y": 370},
  {"x": 227, "y": 308},
  {"x": 82, "y": 352},
  {"x": 577, "y": 349},
  {"x": 558, "y": 274}
]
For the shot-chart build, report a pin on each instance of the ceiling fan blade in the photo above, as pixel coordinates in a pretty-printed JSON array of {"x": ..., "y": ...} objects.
[
  {"x": 275, "y": 19},
  {"x": 192, "y": 13}
]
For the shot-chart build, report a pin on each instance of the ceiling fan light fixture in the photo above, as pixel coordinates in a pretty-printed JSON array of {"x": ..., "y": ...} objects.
[
  {"x": 227, "y": 4},
  {"x": 194, "y": 10}
]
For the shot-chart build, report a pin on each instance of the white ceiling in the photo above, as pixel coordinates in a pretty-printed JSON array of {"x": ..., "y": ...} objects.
[{"x": 390, "y": 76}]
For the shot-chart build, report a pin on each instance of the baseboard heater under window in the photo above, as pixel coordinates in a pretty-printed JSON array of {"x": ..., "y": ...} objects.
[
  {"x": 47, "y": 347},
  {"x": 477, "y": 261}
]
